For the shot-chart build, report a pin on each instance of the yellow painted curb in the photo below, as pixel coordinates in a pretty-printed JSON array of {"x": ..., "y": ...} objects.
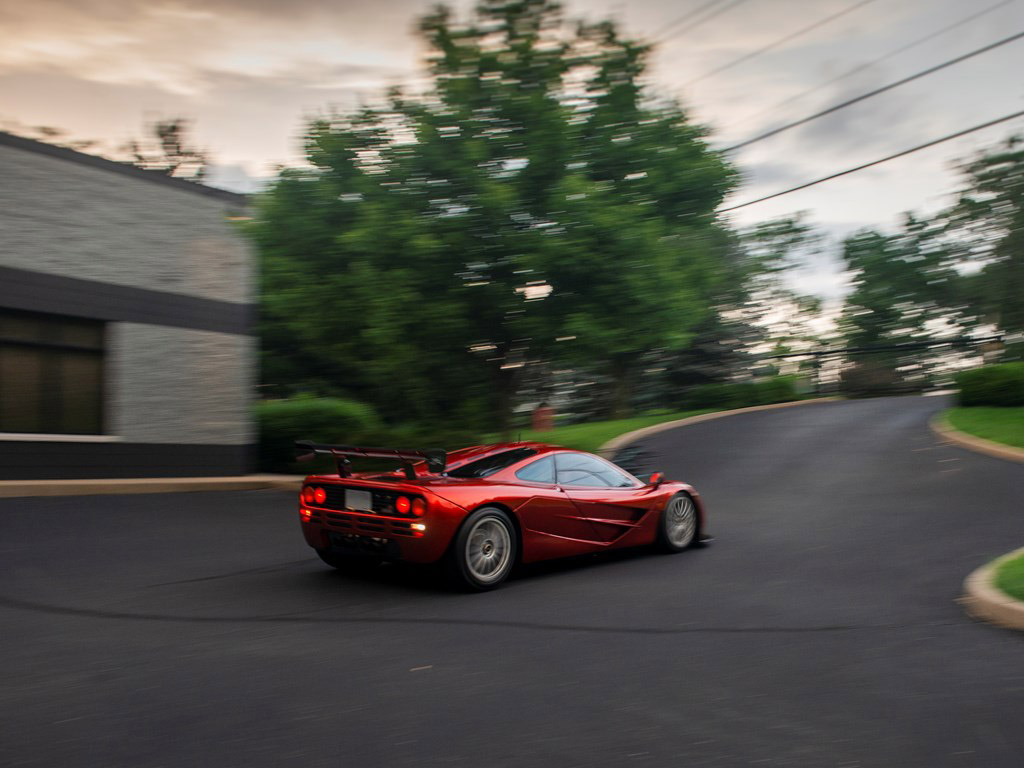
[
  {"x": 940, "y": 425},
  {"x": 983, "y": 600},
  {"x": 616, "y": 443}
]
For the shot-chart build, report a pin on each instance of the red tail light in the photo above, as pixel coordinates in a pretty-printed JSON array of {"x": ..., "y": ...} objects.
[
  {"x": 307, "y": 494},
  {"x": 419, "y": 507},
  {"x": 319, "y": 495},
  {"x": 403, "y": 505},
  {"x": 305, "y": 514}
]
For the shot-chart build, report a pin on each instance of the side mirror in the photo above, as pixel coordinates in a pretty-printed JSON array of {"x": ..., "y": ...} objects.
[{"x": 654, "y": 479}]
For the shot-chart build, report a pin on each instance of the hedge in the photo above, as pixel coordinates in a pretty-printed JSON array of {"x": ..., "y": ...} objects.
[
  {"x": 336, "y": 420},
  {"x": 779, "y": 389},
  {"x": 998, "y": 385},
  {"x": 321, "y": 419}
]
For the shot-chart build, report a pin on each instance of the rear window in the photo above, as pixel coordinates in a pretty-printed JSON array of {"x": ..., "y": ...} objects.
[{"x": 491, "y": 464}]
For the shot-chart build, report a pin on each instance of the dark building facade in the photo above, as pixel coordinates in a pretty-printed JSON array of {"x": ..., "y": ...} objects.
[{"x": 126, "y": 309}]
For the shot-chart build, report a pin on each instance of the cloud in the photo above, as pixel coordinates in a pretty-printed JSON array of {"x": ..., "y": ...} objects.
[
  {"x": 249, "y": 72},
  {"x": 175, "y": 46}
]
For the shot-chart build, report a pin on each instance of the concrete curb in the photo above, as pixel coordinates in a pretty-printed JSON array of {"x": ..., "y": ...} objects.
[
  {"x": 609, "y": 448},
  {"x": 940, "y": 425},
  {"x": 93, "y": 487},
  {"x": 983, "y": 600}
]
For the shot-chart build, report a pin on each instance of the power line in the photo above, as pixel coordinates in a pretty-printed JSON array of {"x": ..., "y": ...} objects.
[
  {"x": 880, "y": 59},
  {"x": 877, "y": 91},
  {"x": 687, "y": 16},
  {"x": 863, "y": 166},
  {"x": 698, "y": 22},
  {"x": 780, "y": 41}
]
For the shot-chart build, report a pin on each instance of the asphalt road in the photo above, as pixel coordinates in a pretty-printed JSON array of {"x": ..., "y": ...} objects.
[{"x": 819, "y": 629}]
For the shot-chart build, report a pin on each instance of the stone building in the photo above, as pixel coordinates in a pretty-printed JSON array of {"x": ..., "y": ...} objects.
[{"x": 126, "y": 311}]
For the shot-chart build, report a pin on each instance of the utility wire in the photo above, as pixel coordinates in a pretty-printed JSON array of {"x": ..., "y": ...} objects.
[
  {"x": 879, "y": 60},
  {"x": 699, "y": 21},
  {"x": 689, "y": 15},
  {"x": 861, "y": 167},
  {"x": 877, "y": 91},
  {"x": 780, "y": 41}
]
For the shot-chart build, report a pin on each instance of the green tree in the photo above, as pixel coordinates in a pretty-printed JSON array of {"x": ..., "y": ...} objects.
[
  {"x": 905, "y": 290},
  {"x": 168, "y": 150},
  {"x": 440, "y": 244},
  {"x": 987, "y": 229},
  {"x": 779, "y": 317},
  {"x": 896, "y": 281}
]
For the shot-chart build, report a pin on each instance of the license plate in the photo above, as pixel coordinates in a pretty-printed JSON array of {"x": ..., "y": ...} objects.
[{"x": 361, "y": 500}]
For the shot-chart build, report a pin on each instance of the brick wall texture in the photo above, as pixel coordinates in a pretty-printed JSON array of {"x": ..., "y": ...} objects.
[
  {"x": 69, "y": 219},
  {"x": 164, "y": 385}
]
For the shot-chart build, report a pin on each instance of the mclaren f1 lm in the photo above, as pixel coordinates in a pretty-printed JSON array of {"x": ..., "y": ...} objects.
[{"x": 484, "y": 509}]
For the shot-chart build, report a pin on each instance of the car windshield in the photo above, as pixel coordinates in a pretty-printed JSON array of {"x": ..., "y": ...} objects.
[{"x": 488, "y": 465}]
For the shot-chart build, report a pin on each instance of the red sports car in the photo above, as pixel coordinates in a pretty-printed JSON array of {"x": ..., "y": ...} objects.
[{"x": 484, "y": 509}]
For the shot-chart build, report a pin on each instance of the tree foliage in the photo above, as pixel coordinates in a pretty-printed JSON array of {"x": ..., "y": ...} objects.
[
  {"x": 945, "y": 276},
  {"x": 777, "y": 314},
  {"x": 901, "y": 282},
  {"x": 987, "y": 224},
  {"x": 534, "y": 205},
  {"x": 168, "y": 150}
]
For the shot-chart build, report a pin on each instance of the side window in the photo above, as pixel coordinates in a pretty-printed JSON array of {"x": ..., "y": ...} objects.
[
  {"x": 582, "y": 470},
  {"x": 488, "y": 465},
  {"x": 539, "y": 471}
]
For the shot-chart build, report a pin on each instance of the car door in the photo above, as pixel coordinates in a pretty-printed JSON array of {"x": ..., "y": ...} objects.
[
  {"x": 549, "y": 518},
  {"x": 610, "y": 501}
]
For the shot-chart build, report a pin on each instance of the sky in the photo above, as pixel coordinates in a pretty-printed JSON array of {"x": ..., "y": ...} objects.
[{"x": 249, "y": 73}]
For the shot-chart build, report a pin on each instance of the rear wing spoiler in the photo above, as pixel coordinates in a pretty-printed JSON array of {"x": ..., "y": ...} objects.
[{"x": 436, "y": 460}]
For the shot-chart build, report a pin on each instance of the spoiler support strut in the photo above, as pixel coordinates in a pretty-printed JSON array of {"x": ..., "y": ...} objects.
[{"x": 436, "y": 459}]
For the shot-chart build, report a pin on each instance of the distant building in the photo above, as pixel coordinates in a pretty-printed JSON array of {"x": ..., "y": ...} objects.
[{"x": 126, "y": 309}]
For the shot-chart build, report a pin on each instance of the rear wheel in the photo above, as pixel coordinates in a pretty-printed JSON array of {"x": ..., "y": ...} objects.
[
  {"x": 349, "y": 563},
  {"x": 678, "y": 526},
  {"x": 484, "y": 550}
]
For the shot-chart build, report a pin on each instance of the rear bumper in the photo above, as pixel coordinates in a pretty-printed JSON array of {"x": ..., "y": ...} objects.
[{"x": 395, "y": 538}]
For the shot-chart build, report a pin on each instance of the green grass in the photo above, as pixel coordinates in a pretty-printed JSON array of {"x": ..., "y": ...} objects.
[
  {"x": 591, "y": 436},
  {"x": 1001, "y": 425},
  {"x": 1010, "y": 577}
]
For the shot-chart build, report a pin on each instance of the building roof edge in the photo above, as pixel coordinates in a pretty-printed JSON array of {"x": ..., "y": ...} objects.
[{"x": 125, "y": 169}]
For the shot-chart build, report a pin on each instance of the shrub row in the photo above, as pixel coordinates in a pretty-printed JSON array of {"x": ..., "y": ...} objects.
[
  {"x": 778, "y": 389},
  {"x": 999, "y": 385},
  {"x": 336, "y": 420},
  {"x": 321, "y": 419}
]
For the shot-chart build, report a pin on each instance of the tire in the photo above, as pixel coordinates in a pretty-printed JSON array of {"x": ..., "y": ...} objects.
[
  {"x": 483, "y": 551},
  {"x": 349, "y": 563},
  {"x": 678, "y": 525}
]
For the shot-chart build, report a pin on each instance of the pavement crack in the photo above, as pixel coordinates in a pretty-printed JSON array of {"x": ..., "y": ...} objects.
[
  {"x": 303, "y": 617},
  {"x": 262, "y": 569}
]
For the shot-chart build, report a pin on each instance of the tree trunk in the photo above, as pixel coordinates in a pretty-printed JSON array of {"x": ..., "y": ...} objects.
[
  {"x": 504, "y": 388},
  {"x": 622, "y": 389}
]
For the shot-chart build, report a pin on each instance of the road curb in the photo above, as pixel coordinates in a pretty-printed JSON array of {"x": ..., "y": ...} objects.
[
  {"x": 613, "y": 445},
  {"x": 983, "y": 600},
  {"x": 106, "y": 486},
  {"x": 940, "y": 426}
]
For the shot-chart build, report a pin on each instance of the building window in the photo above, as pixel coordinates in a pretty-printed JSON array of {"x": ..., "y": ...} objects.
[{"x": 51, "y": 374}]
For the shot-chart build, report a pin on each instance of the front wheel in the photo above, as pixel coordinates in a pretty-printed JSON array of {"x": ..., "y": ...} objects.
[
  {"x": 484, "y": 550},
  {"x": 678, "y": 526}
]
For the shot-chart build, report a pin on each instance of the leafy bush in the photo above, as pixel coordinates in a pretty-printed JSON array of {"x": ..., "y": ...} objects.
[
  {"x": 321, "y": 419},
  {"x": 778, "y": 389},
  {"x": 999, "y": 385},
  {"x": 336, "y": 420},
  {"x": 870, "y": 378}
]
